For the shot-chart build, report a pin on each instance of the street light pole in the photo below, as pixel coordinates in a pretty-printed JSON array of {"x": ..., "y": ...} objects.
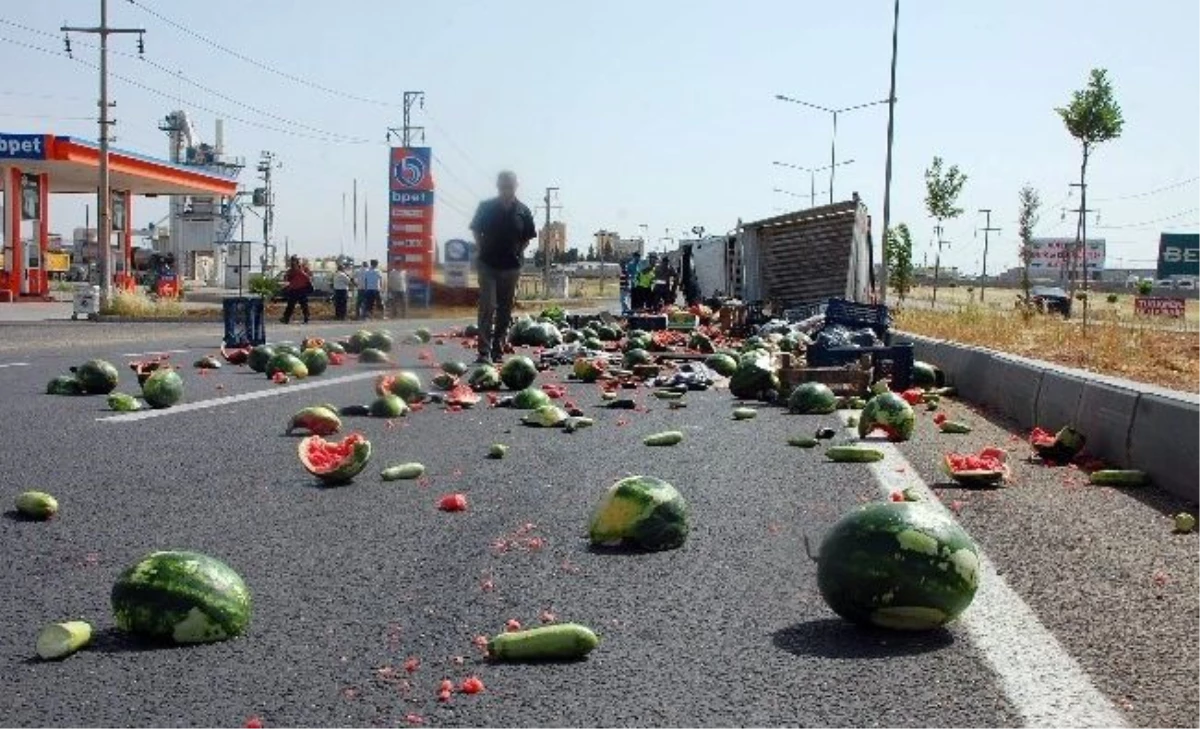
[
  {"x": 833, "y": 144},
  {"x": 833, "y": 157},
  {"x": 812, "y": 178},
  {"x": 887, "y": 172}
]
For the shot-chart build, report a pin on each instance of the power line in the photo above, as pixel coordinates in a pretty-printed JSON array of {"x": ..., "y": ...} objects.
[
  {"x": 1174, "y": 216},
  {"x": 1148, "y": 193}
]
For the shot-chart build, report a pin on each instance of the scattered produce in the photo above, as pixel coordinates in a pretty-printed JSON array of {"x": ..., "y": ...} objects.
[
  {"x": 184, "y": 597},
  {"x": 891, "y": 414},
  {"x": 826, "y": 433},
  {"x": 518, "y": 373},
  {"x": 668, "y": 394},
  {"x": 144, "y": 368},
  {"x": 577, "y": 422},
  {"x": 987, "y": 468},
  {"x": 546, "y": 416},
  {"x": 335, "y": 462},
  {"x": 530, "y": 398},
  {"x": 641, "y": 510},
  {"x": 370, "y": 355},
  {"x": 403, "y": 471},
  {"x": 461, "y": 396},
  {"x": 926, "y": 375},
  {"x": 913, "y": 396},
  {"x": 123, "y": 403},
  {"x": 64, "y": 385},
  {"x": 388, "y": 406},
  {"x": 423, "y": 334},
  {"x": 853, "y": 454},
  {"x": 954, "y": 427},
  {"x": 163, "y": 389},
  {"x": 564, "y": 641},
  {"x": 207, "y": 362},
  {"x": 484, "y": 377},
  {"x": 1117, "y": 477},
  {"x": 287, "y": 363},
  {"x": 455, "y": 369},
  {"x": 259, "y": 356},
  {"x": 802, "y": 441},
  {"x": 1184, "y": 523},
  {"x": 666, "y": 438},
  {"x": 355, "y": 411},
  {"x": 444, "y": 381},
  {"x": 754, "y": 376},
  {"x": 315, "y": 360},
  {"x": 744, "y": 413},
  {"x": 97, "y": 377},
  {"x": 319, "y": 420},
  {"x": 898, "y": 565},
  {"x": 589, "y": 370},
  {"x": 37, "y": 505},
  {"x": 403, "y": 384},
  {"x": 59, "y": 640},
  {"x": 497, "y": 451},
  {"x": 383, "y": 342},
  {"x": 236, "y": 356},
  {"x": 453, "y": 502},
  {"x": 1060, "y": 447},
  {"x": 722, "y": 364}
]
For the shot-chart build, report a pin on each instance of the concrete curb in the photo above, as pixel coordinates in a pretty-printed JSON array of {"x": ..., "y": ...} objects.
[{"x": 1127, "y": 423}]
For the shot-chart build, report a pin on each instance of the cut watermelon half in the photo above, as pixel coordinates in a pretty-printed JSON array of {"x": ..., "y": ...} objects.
[
  {"x": 335, "y": 462},
  {"x": 987, "y": 468},
  {"x": 462, "y": 396}
]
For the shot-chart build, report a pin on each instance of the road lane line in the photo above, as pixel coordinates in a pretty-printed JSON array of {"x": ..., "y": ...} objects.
[
  {"x": 14, "y": 364},
  {"x": 274, "y": 390},
  {"x": 1041, "y": 679},
  {"x": 155, "y": 354}
]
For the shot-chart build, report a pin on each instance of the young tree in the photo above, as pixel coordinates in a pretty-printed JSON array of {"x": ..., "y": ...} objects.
[
  {"x": 1093, "y": 117},
  {"x": 942, "y": 189},
  {"x": 897, "y": 252},
  {"x": 1027, "y": 220}
]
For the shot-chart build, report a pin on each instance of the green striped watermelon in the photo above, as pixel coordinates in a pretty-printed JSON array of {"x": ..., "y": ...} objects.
[
  {"x": 183, "y": 597},
  {"x": 900, "y": 565}
]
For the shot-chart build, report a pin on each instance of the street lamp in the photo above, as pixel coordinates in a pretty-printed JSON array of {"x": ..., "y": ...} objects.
[
  {"x": 812, "y": 178},
  {"x": 887, "y": 174},
  {"x": 833, "y": 143}
]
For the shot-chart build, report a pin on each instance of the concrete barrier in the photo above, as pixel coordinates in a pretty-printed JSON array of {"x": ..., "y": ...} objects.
[
  {"x": 1163, "y": 442},
  {"x": 1128, "y": 424}
]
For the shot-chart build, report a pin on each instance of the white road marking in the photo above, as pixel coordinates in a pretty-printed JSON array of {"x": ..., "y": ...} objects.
[
  {"x": 155, "y": 354},
  {"x": 14, "y": 364},
  {"x": 1043, "y": 682},
  {"x": 274, "y": 390}
]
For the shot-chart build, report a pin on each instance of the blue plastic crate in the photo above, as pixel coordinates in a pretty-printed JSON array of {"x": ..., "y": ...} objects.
[
  {"x": 857, "y": 315},
  {"x": 244, "y": 321}
]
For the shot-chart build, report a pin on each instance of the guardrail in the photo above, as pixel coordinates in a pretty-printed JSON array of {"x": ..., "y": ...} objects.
[{"x": 1128, "y": 424}]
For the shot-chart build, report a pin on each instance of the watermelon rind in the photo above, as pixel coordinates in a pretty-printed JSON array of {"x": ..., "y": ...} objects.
[
  {"x": 530, "y": 399},
  {"x": 181, "y": 597},
  {"x": 350, "y": 466},
  {"x": 407, "y": 386},
  {"x": 889, "y": 412},
  {"x": 899, "y": 565},
  {"x": 389, "y": 406},
  {"x": 812, "y": 398},
  {"x": 644, "y": 511}
]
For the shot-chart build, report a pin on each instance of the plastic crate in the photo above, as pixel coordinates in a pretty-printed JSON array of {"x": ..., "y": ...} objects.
[
  {"x": 648, "y": 323},
  {"x": 894, "y": 362},
  {"x": 855, "y": 315},
  {"x": 244, "y": 321},
  {"x": 804, "y": 311}
]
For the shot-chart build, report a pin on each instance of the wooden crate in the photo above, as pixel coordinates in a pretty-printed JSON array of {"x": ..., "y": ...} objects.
[
  {"x": 733, "y": 318},
  {"x": 842, "y": 380}
]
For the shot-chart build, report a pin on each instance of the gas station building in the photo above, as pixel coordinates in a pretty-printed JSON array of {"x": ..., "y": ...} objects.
[{"x": 33, "y": 166}]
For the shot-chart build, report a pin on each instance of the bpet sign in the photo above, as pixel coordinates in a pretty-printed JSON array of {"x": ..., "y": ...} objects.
[{"x": 1179, "y": 255}]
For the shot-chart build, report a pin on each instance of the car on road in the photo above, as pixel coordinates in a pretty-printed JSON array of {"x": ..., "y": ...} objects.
[
  {"x": 1164, "y": 283},
  {"x": 1050, "y": 300}
]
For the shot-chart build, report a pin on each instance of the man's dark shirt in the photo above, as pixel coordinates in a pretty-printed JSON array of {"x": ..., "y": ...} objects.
[{"x": 502, "y": 232}]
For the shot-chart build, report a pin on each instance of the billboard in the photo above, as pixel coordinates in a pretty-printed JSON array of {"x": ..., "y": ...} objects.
[
  {"x": 1178, "y": 255},
  {"x": 1050, "y": 256},
  {"x": 410, "y": 217}
]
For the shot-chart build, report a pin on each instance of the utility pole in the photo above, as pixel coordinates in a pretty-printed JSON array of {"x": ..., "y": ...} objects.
[
  {"x": 408, "y": 133},
  {"x": 887, "y": 173},
  {"x": 104, "y": 211},
  {"x": 546, "y": 239},
  {"x": 937, "y": 260},
  {"x": 354, "y": 213},
  {"x": 986, "y": 230},
  {"x": 266, "y": 164}
]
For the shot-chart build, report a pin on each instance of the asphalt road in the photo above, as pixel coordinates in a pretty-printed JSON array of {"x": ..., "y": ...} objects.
[{"x": 1090, "y": 617}]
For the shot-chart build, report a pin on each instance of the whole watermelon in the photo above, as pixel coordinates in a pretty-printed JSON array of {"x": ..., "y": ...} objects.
[
  {"x": 899, "y": 565},
  {"x": 926, "y": 375},
  {"x": 635, "y": 357},
  {"x": 289, "y": 364},
  {"x": 812, "y": 398},
  {"x": 97, "y": 377},
  {"x": 163, "y": 389},
  {"x": 358, "y": 341},
  {"x": 518, "y": 373},
  {"x": 530, "y": 399},
  {"x": 259, "y": 357},
  {"x": 484, "y": 377},
  {"x": 381, "y": 340},
  {"x": 407, "y": 386},
  {"x": 641, "y": 510},
  {"x": 315, "y": 360},
  {"x": 753, "y": 378},
  {"x": 721, "y": 363},
  {"x": 182, "y": 597}
]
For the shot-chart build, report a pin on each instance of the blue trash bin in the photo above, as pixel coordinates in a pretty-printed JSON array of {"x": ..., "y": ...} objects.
[{"x": 244, "y": 321}]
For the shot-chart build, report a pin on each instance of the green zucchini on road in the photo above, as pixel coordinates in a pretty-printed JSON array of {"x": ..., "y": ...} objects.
[
  {"x": 853, "y": 454},
  {"x": 402, "y": 471},
  {"x": 744, "y": 413},
  {"x": 59, "y": 640},
  {"x": 1118, "y": 477},
  {"x": 548, "y": 643},
  {"x": 666, "y": 438},
  {"x": 954, "y": 427},
  {"x": 803, "y": 441}
]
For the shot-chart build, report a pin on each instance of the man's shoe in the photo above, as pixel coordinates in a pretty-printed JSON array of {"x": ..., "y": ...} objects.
[
  {"x": 483, "y": 359},
  {"x": 497, "y": 358}
]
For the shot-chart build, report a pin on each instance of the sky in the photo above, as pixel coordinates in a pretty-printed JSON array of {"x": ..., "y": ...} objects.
[{"x": 659, "y": 113}]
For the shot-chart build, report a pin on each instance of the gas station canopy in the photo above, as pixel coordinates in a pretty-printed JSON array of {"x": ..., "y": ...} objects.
[{"x": 72, "y": 166}]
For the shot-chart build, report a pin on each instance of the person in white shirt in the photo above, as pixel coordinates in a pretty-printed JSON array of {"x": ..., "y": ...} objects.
[
  {"x": 397, "y": 289},
  {"x": 341, "y": 292},
  {"x": 369, "y": 299},
  {"x": 359, "y": 270}
]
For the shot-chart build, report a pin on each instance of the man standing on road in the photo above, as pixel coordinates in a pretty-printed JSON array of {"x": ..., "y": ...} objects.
[
  {"x": 296, "y": 290},
  {"x": 372, "y": 281},
  {"x": 643, "y": 282},
  {"x": 341, "y": 292},
  {"x": 629, "y": 272},
  {"x": 503, "y": 227},
  {"x": 397, "y": 287}
]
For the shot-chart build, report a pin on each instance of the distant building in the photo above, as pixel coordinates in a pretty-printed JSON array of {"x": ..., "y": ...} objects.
[{"x": 553, "y": 238}]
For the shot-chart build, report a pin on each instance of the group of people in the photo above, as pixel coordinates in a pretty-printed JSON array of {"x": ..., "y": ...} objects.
[
  {"x": 366, "y": 280},
  {"x": 648, "y": 285}
]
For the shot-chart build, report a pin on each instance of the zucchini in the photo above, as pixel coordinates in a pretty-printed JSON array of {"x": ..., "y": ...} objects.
[
  {"x": 955, "y": 427},
  {"x": 853, "y": 454},
  {"x": 497, "y": 450},
  {"x": 676, "y": 404},
  {"x": 666, "y": 438},
  {"x": 606, "y": 395},
  {"x": 354, "y": 411},
  {"x": 547, "y": 643},
  {"x": 932, "y": 405},
  {"x": 802, "y": 441},
  {"x": 1117, "y": 477},
  {"x": 403, "y": 471},
  {"x": 744, "y": 413},
  {"x": 59, "y": 640},
  {"x": 37, "y": 505},
  {"x": 575, "y": 422},
  {"x": 668, "y": 394}
]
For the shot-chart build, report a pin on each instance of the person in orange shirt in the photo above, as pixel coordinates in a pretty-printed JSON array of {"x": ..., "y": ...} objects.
[{"x": 296, "y": 289}]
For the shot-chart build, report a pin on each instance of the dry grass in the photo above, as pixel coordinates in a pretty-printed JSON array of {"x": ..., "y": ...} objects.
[
  {"x": 1005, "y": 299},
  {"x": 1111, "y": 346},
  {"x": 137, "y": 304}
]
